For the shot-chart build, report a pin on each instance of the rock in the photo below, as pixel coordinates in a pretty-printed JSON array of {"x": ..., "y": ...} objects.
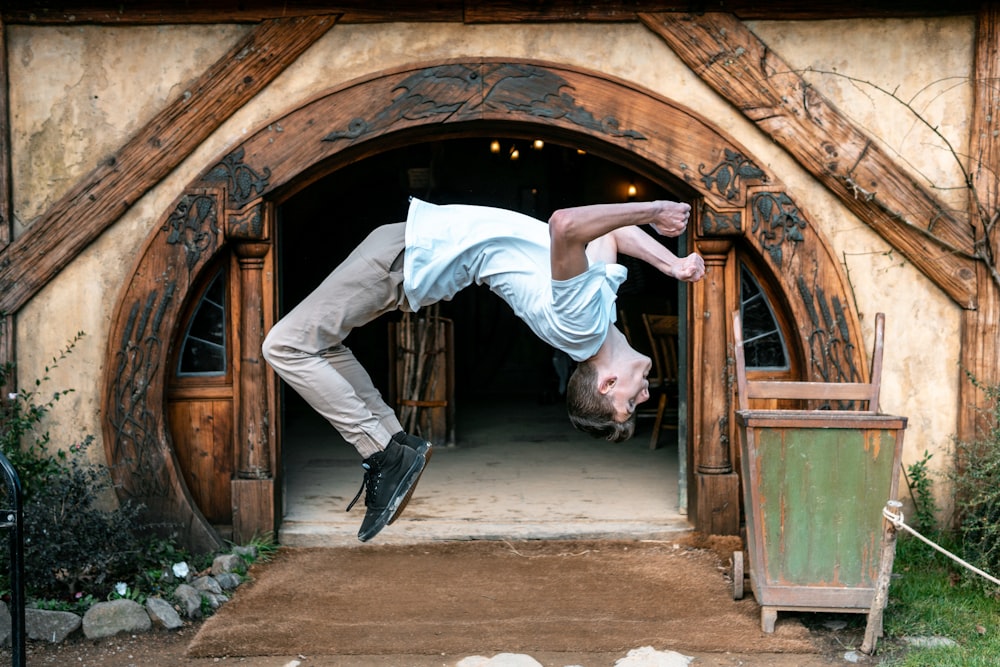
[
  {"x": 5, "y": 625},
  {"x": 163, "y": 614},
  {"x": 214, "y": 601},
  {"x": 647, "y": 656},
  {"x": 207, "y": 585},
  {"x": 106, "y": 619},
  {"x": 929, "y": 642},
  {"x": 189, "y": 599},
  {"x": 228, "y": 580},
  {"x": 228, "y": 563},
  {"x": 50, "y": 626},
  {"x": 500, "y": 660},
  {"x": 246, "y": 552}
]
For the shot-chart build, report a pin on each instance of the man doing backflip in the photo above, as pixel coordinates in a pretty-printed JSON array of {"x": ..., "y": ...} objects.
[{"x": 561, "y": 279}]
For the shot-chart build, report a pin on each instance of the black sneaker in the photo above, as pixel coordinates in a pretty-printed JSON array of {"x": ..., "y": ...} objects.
[
  {"x": 389, "y": 479},
  {"x": 420, "y": 446}
]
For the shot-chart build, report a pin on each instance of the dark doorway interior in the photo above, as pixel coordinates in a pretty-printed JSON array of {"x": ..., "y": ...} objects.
[
  {"x": 496, "y": 354},
  {"x": 498, "y": 361}
]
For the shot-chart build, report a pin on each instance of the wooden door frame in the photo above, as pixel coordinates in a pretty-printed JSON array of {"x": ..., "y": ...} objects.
[{"x": 739, "y": 203}]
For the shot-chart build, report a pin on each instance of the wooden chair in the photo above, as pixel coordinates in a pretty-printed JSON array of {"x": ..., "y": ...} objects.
[
  {"x": 866, "y": 392},
  {"x": 663, "y": 331}
]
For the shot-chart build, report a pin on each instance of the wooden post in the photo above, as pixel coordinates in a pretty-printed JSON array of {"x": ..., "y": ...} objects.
[
  {"x": 874, "y": 628},
  {"x": 717, "y": 488},
  {"x": 6, "y": 210},
  {"x": 253, "y": 489}
]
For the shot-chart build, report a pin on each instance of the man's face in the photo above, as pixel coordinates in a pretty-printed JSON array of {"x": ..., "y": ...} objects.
[{"x": 630, "y": 388}]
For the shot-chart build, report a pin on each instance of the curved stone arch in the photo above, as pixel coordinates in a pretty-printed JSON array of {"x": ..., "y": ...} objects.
[{"x": 739, "y": 202}]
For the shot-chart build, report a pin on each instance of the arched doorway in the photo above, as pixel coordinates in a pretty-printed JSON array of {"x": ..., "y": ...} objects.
[
  {"x": 231, "y": 208},
  {"x": 518, "y": 468}
]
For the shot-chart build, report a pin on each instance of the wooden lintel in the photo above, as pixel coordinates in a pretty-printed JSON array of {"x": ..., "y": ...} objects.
[
  {"x": 139, "y": 12},
  {"x": 107, "y": 192},
  {"x": 725, "y": 54}
]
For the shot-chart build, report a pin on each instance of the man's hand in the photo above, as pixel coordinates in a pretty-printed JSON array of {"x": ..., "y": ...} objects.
[
  {"x": 671, "y": 218},
  {"x": 690, "y": 269}
]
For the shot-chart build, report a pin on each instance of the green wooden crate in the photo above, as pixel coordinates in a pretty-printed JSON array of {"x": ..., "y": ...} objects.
[{"x": 814, "y": 485}]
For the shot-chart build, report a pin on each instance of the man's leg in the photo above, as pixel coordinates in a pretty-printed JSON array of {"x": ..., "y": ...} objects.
[{"x": 305, "y": 348}]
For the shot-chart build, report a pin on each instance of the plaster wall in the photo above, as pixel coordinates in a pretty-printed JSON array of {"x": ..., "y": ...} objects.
[{"x": 95, "y": 86}]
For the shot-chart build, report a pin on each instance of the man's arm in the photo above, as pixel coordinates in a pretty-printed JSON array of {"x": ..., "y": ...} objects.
[{"x": 613, "y": 227}]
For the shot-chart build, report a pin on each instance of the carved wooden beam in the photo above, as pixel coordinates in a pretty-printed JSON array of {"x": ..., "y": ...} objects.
[
  {"x": 107, "y": 192},
  {"x": 724, "y": 53},
  {"x": 40, "y": 12},
  {"x": 980, "y": 353}
]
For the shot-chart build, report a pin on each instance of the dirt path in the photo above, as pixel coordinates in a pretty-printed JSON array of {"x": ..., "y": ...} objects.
[{"x": 163, "y": 649}]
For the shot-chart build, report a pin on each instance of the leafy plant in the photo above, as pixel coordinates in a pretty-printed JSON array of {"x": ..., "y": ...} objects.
[
  {"x": 921, "y": 490},
  {"x": 976, "y": 480},
  {"x": 22, "y": 440},
  {"x": 70, "y": 543}
]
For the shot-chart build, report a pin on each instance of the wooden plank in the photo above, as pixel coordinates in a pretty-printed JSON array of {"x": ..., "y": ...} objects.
[
  {"x": 833, "y": 391},
  {"x": 155, "y": 12},
  {"x": 6, "y": 189},
  {"x": 150, "y": 12},
  {"x": 202, "y": 436},
  {"x": 980, "y": 352},
  {"x": 724, "y": 53},
  {"x": 107, "y": 192}
]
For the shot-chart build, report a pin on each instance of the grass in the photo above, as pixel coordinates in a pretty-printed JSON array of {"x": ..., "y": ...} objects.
[{"x": 931, "y": 596}]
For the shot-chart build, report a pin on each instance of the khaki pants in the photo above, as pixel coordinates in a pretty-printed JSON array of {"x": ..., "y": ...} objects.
[{"x": 305, "y": 347}]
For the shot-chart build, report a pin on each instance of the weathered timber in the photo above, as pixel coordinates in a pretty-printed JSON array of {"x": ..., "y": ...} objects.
[
  {"x": 138, "y": 12},
  {"x": 724, "y": 53},
  {"x": 6, "y": 207},
  {"x": 152, "y": 12},
  {"x": 6, "y": 192},
  {"x": 980, "y": 351},
  {"x": 108, "y": 191}
]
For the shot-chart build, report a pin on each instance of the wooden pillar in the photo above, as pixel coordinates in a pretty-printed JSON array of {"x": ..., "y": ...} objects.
[
  {"x": 6, "y": 210},
  {"x": 717, "y": 487},
  {"x": 253, "y": 489},
  {"x": 980, "y": 352}
]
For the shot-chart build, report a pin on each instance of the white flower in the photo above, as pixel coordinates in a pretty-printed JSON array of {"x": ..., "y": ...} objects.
[
  {"x": 181, "y": 570},
  {"x": 12, "y": 396},
  {"x": 121, "y": 588}
]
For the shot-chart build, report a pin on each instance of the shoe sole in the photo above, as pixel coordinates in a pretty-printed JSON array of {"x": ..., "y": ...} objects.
[
  {"x": 402, "y": 496},
  {"x": 426, "y": 450}
]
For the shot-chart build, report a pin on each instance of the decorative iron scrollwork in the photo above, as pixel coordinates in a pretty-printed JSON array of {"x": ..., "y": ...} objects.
[
  {"x": 135, "y": 421},
  {"x": 831, "y": 351},
  {"x": 449, "y": 90},
  {"x": 776, "y": 220},
  {"x": 730, "y": 176},
  {"x": 243, "y": 183},
  {"x": 194, "y": 224}
]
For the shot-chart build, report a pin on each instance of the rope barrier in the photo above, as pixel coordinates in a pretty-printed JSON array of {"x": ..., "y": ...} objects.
[{"x": 896, "y": 519}]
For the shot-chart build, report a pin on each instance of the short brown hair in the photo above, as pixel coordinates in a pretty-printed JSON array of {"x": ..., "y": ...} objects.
[{"x": 591, "y": 411}]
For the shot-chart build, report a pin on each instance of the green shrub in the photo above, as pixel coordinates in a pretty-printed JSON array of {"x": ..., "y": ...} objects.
[
  {"x": 977, "y": 491},
  {"x": 21, "y": 440},
  {"x": 74, "y": 551},
  {"x": 70, "y": 544}
]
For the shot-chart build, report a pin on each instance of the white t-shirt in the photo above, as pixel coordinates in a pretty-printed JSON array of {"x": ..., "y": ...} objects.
[{"x": 450, "y": 247}]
